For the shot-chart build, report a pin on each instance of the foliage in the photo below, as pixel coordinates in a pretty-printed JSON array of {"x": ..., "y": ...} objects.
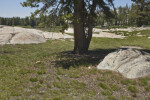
[
  {"x": 17, "y": 21},
  {"x": 137, "y": 14}
]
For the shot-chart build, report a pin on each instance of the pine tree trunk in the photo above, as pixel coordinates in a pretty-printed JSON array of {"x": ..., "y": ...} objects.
[
  {"x": 82, "y": 39},
  {"x": 79, "y": 33}
]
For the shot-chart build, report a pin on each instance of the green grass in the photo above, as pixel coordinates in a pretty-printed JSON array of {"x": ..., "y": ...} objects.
[
  {"x": 25, "y": 26},
  {"x": 106, "y": 93},
  {"x": 114, "y": 87},
  {"x": 131, "y": 34},
  {"x": 112, "y": 27},
  {"x": 103, "y": 86},
  {"x": 33, "y": 79},
  {"x": 143, "y": 81},
  {"x": 49, "y": 70},
  {"x": 53, "y": 29},
  {"x": 132, "y": 89},
  {"x": 127, "y": 82},
  {"x": 111, "y": 98},
  {"x": 147, "y": 88}
]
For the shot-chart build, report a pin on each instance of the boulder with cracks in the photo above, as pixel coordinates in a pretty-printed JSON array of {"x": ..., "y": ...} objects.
[
  {"x": 18, "y": 35},
  {"x": 131, "y": 63},
  {"x": 27, "y": 38},
  {"x": 5, "y": 38}
]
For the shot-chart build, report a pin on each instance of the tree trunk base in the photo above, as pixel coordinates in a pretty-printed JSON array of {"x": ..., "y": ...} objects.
[{"x": 80, "y": 51}]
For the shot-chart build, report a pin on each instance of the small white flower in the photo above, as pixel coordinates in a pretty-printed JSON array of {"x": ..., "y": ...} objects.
[{"x": 38, "y": 62}]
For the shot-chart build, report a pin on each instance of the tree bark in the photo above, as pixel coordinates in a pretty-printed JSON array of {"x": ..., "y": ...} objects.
[
  {"x": 79, "y": 33},
  {"x": 82, "y": 39},
  {"x": 90, "y": 24}
]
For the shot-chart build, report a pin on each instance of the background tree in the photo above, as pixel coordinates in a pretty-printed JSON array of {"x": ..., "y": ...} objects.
[
  {"x": 32, "y": 21},
  {"x": 142, "y": 11},
  {"x": 123, "y": 17},
  {"x": 26, "y": 21}
]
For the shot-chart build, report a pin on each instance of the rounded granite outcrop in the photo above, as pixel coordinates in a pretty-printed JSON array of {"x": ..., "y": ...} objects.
[
  {"x": 131, "y": 63},
  {"x": 18, "y": 35}
]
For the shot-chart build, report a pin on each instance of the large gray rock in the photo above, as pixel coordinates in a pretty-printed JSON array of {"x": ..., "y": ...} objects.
[
  {"x": 18, "y": 35},
  {"x": 1, "y": 26},
  {"x": 131, "y": 63},
  {"x": 5, "y": 38},
  {"x": 27, "y": 38},
  {"x": 54, "y": 35},
  {"x": 69, "y": 30},
  {"x": 7, "y": 29}
]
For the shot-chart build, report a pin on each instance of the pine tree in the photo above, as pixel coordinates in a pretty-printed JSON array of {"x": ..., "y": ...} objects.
[
  {"x": 142, "y": 11},
  {"x": 84, "y": 14}
]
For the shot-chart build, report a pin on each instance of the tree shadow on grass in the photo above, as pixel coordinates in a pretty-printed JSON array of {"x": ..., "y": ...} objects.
[{"x": 92, "y": 58}]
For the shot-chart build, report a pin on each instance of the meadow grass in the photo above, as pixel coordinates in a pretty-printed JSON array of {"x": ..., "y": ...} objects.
[{"x": 50, "y": 71}]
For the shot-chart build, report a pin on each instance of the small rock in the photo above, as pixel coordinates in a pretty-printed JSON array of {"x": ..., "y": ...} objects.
[
  {"x": 38, "y": 62},
  {"x": 89, "y": 67},
  {"x": 69, "y": 30},
  {"x": 139, "y": 33}
]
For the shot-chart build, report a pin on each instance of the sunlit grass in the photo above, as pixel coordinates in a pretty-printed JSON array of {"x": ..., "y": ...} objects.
[{"x": 46, "y": 70}]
